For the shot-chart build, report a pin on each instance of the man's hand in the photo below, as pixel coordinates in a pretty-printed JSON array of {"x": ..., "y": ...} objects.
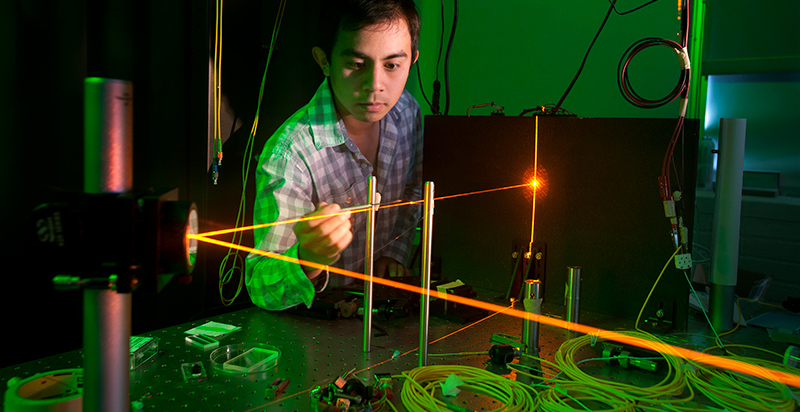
[
  {"x": 388, "y": 267},
  {"x": 322, "y": 240}
]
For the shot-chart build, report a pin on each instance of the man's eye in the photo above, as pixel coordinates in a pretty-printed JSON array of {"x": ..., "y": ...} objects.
[
  {"x": 391, "y": 66},
  {"x": 356, "y": 65}
]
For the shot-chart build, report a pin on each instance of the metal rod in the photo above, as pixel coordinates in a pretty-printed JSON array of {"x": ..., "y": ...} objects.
[
  {"x": 369, "y": 265},
  {"x": 106, "y": 349},
  {"x": 514, "y": 272},
  {"x": 573, "y": 296},
  {"x": 108, "y": 136},
  {"x": 108, "y": 168},
  {"x": 530, "y": 328},
  {"x": 526, "y": 276},
  {"x": 424, "y": 312},
  {"x": 359, "y": 207},
  {"x": 727, "y": 217}
]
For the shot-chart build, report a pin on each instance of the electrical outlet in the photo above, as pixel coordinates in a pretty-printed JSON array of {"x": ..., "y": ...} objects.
[{"x": 683, "y": 261}]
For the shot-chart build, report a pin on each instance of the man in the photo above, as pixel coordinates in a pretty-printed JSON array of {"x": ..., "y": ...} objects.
[{"x": 360, "y": 122}]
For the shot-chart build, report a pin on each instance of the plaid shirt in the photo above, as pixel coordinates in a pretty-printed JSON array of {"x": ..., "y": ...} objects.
[{"x": 310, "y": 159}]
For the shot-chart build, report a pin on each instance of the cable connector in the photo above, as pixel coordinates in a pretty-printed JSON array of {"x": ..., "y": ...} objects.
[
  {"x": 669, "y": 208},
  {"x": 683, "y": 232},
  {"x": 383, "y": 381},
  {"x": 341, "y": 381},
  {"x": 683, "y": 261},
  {"x": 215, "y": 172}
]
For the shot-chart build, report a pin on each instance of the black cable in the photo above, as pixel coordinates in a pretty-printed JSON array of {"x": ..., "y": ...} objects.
[
  {"x": 422, "y": 89},
  {"x": 685, "y": 23},
  {"x": 441, "y": 42},
  {"x": 548, "y": 109},
  {"x": 623, "y": 82},
  {"x": 580, "y": 69},
  {"x": 447, "y": 60},
  {"x": 437, "y": 86},
  {"x": 631, "y": 10},
  {"x": 434, "y": 102},
  {"x": 681, "y": 89},
  {"x": 681, "y": 131}
]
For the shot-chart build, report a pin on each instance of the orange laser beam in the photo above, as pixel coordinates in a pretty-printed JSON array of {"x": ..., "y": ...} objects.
[
  {"x": 534, "y": 183},
  {"x": 472, "y": 324},
  {"x": 389, "y": 205},
  {"x": 482, "y": 191},
  {"x": 357, "y": 209},
  {"x": 663, "y": 348},
  {"x": 431, "y": 343},
  {"x": 283, "y": 222}
]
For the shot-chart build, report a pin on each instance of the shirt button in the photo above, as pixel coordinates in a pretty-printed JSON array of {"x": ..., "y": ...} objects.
[
  {"x": 363, "y": 165},
  {"x": 349, "y": 200}
]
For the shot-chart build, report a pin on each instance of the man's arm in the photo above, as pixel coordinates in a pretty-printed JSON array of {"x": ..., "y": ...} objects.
[
  {"x": 284, "y": 192},
  {"x": 275, "y": 284}
]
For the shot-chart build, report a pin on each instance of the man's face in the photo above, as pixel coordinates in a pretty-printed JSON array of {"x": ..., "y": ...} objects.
[{"x": 368, "y": 70}]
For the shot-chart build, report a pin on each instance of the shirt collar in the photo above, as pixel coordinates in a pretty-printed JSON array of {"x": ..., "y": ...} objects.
[{"x": 327, "y": 129}]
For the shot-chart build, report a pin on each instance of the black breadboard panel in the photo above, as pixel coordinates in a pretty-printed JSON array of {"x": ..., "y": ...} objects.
[{"x": 599, "y": 205}]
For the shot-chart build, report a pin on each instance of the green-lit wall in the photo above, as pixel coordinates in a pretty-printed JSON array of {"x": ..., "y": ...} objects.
[{"x": 524, "y": 53}]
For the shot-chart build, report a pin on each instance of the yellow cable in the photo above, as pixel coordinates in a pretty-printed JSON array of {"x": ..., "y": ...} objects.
[
  {"x": 672, "y": 385},
  {"x": 546, "y": 383},
  {"x": 218, "y": 83},
  {"x": 777, "y": 355},
  {"x": 226, "y": 275},
  {"x": 215, "y": 80},
  {"x": 559, "y": 399},
  {"x": 664, "y": 269},
  {"x": 735, "y": 391},
  {"x": 738, "y": 320},
  {"x": 421, "y": 383},
  {"x": 739, "y": 307}
]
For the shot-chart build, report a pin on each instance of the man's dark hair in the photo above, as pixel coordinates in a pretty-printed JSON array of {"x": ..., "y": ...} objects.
[{"x": 354, "y": 15}]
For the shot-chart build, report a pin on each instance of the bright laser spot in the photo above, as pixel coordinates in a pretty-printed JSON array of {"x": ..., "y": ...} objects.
[
  {"x": 666, "y": 349},
  {"x": 537, "y": 183}
]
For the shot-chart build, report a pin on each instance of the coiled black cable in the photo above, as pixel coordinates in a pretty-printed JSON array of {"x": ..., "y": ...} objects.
[{"x": 626, "y": 89}]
